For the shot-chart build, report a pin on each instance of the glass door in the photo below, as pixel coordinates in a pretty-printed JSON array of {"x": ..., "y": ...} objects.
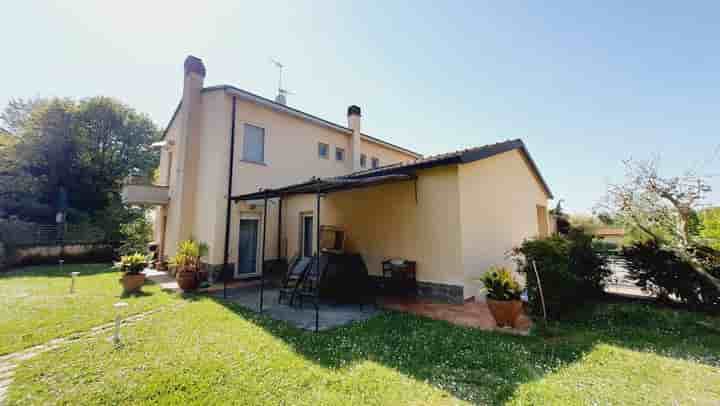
[{"x": 248, "y": 247}]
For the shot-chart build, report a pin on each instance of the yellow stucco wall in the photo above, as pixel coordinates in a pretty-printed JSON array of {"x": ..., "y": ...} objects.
[
  {"x": 498, "y": 208},
  {"x": 291, "y": 156},
  {"x": 386, "y": 222}
]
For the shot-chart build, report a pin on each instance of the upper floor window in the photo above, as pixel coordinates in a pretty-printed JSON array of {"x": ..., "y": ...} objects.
[
  {"x": 363, "y": 160},
  {"x": 375, "y": 163},
  {"x": 323, "y": 150},
  {"x": 253, "y": 143},
  {"x": 339, "y": 154}
]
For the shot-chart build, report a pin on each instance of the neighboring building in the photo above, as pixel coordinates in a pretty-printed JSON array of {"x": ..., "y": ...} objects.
[
  {"x": 610, "y": 235},
  {"x": 455, "y": 214}
]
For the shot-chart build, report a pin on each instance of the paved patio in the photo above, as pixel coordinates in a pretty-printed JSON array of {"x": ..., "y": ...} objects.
[
  {"x": 330, "y": 315},
  {"x": 246, "y": 294},
  {"x": 468, "y": 314}
]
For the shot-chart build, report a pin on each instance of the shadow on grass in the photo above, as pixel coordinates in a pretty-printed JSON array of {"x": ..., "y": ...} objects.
[
  {"x": 136, "y": 294},
  {"x": 487, "y": 367}
]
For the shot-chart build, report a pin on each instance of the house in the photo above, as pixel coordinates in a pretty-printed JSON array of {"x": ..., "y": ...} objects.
[
  {"x": 613, "y": 235},
  {"x": 240, "y": 171}
]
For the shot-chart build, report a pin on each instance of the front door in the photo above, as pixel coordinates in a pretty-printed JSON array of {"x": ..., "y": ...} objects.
[
  {"x": 248, "y": 247},
  {"x": 306, "y": 236}
]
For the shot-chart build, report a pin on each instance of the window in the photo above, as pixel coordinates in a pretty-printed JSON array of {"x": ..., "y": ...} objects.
[
  {"x": 363, "y": 160},
  {"x": 339, "y": 154},
  {"x": 323, "y": 150},
  {"x": 375, "y": 163},
  {"x": 253, "y": 143}
]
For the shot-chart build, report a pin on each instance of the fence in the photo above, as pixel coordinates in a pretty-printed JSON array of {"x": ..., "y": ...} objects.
[{"x": 19, "y": 233}]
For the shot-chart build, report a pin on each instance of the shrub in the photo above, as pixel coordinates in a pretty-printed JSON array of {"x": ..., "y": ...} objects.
[
  {"x": 572, "y": 271},
  {"x": 500, "y": 284},
  {"x": 137, "y": 234},
  {"x": 131, "y": 264},
  {"x": 670, "y": 274}
]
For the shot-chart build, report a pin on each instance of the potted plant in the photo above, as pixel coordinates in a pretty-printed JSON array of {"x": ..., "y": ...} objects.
[
  {"x": 187, "y": 265},
  {"x": 132, "y": 266},
  {"x": 503, "y": 295}
]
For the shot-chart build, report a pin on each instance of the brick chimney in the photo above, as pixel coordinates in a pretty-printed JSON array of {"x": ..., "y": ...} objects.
[{"x": 354, "y": 116}]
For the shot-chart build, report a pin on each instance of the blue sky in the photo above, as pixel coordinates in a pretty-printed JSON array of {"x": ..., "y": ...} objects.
[{"x": 584, "y": 84}]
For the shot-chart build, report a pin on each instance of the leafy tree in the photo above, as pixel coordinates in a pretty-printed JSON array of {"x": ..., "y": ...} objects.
[
  {"x": 78, "y": 149},
  {"x": 17, "y": 113},
  {"x": 710, "y": 226},
  {"x": 664, "y": 209}
]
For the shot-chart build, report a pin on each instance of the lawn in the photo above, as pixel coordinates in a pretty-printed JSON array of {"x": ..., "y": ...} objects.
[
  {"x": 36, "y": 304},
  {"x": 211, "y": 352}
]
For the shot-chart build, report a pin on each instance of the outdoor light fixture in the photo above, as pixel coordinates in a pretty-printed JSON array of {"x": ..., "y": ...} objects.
[
  {"x": 118, "y": 308},
  {"x": 72, "y": 281}
]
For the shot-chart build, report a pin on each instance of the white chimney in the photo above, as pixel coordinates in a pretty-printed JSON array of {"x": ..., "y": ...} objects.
[
  {"x": 188, "y": 147},
  {"x": 354, "y": 115}
]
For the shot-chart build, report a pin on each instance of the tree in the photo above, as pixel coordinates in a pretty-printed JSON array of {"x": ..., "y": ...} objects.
[
  {"x": 663, "y": 208},
  {"x": 82, "y": 150},
  {"x": 17, "y": 113},
  {"x": 710, "y": 227}
]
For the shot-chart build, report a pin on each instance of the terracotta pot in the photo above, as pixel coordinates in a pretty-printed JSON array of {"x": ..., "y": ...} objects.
[
  {"x": 132, "y": 282},
  {"x": 187, "y": 281},
  {"x": 505, "y": 311}
]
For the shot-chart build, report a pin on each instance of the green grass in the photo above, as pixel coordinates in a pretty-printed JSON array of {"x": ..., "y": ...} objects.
[
  {"x": 36, "y": 306},
  {"x": 212, "y": 352}
]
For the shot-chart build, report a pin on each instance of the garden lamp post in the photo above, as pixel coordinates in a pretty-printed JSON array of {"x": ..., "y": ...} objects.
[
  {"x": 118, "y": 309},
  {"x": 73, "y": 275}
]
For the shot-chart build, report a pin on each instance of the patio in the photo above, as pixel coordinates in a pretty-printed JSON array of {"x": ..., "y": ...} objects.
[
  {"x": 329, "y": 315},
  {"x": 247, "y": 294}
]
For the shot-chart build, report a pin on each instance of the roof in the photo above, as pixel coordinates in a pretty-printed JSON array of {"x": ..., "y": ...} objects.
[
  {"x": 327, "y": 185},
  {"x": 254, "y": 98},
  {"x": 408, "y": 168},
  {"x": 607, "y": 232}
]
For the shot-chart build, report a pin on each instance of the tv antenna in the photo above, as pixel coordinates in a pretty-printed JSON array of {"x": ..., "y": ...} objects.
[{"x": 282, "y": 92}]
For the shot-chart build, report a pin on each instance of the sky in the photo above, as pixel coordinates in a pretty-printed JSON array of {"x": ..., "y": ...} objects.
[{"x": 584, "y": 84}]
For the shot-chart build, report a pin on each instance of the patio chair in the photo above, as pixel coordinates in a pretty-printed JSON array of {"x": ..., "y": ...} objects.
[
  {"x": 311, "y": 285},
  {"x": 297, "y": 269}
]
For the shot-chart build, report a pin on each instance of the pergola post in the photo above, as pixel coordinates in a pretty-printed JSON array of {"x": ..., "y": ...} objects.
[
  {"x": 262, "y": 253},
  {"x": 317, "y": 261}
]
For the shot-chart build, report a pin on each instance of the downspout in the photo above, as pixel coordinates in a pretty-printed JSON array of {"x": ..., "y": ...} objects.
[{"x": 228, "y": 210}]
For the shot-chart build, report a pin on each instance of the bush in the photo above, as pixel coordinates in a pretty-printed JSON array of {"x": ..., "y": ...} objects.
[
  {"x": 572, "y": 271},
  {"x": 670, "y": 274},
  {"x": 501, "y": 284},
  {"x": 137, "y": 234}
]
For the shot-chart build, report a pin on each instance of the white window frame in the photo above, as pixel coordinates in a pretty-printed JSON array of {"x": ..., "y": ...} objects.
[
  {"x": 264, "y": 143},
  {"x": 341, "y": 151},
  {"x": 249, "y": 215},
  {"x": 363, "y": 160},
  {"x": 374, "y": 162},
  {"x": 327, "y": 150}
]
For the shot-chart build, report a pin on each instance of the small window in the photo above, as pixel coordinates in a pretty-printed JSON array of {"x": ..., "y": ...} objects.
[
  {"x": 323, "y": 150},
  {"x": 339, "y": 154},
  {"x": 375, "y": 163},
  {"x": 363, "y": 160},
  {"x": 254, "y": 143}
]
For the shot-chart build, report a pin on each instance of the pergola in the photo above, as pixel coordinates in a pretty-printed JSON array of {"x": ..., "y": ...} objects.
[{"x": 317, "y": 186}]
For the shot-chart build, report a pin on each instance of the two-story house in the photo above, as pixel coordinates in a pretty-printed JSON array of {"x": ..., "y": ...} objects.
[{"x": 248, "y": 175}]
